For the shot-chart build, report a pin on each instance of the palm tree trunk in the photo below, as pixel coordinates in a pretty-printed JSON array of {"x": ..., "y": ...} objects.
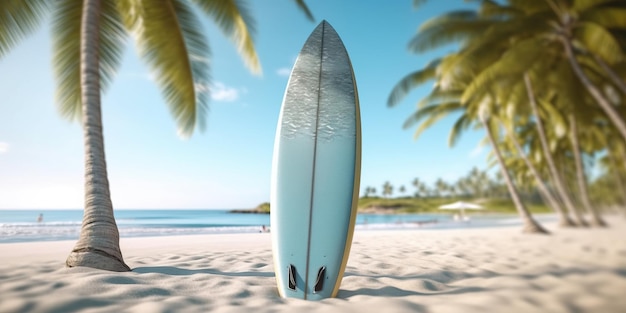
[
  {"x": 98, "y": 244},
  {"x": 564, "y": 219},
  {"x": 618, "y": 174},
  {"x": 618, "y": 177},
  {"x": 530, "y": 225},
  {"x": 556, "y": 178},
  {"x": 618, "y": 81},
  {"x": 609, "y": 110},
  {"x": 596, "y": 220}
]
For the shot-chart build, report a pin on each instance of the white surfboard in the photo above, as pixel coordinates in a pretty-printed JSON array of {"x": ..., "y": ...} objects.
[{"x": 316, "y": 170}]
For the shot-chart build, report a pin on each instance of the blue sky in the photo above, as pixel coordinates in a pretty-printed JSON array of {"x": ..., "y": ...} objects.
[{"x": 229, "y": 164}]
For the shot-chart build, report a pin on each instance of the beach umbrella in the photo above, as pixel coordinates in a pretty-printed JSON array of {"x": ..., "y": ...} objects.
[{"x": 461, "y": 205}]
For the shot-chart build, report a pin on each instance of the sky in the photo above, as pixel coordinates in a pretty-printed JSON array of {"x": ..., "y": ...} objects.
[{"x": 229, "y": 164}]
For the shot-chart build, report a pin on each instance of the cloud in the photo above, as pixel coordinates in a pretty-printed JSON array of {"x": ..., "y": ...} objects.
[
  {"x": 477, "y": 151},
  {"x": 4, "y": 147},
  {"x": 220, "y": 92},
  {"x": 283, "y": 71}
]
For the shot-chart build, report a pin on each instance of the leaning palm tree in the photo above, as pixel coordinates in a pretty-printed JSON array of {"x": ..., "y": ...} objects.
[
  {"x": 453, "y": 74},
  {"x": 89, "y": 38}
]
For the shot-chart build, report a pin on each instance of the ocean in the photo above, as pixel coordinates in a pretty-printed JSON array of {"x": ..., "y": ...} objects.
[{"x": 22, "y": 225}]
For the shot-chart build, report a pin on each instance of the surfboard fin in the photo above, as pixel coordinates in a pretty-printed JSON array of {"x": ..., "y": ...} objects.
[
  {"x": 319, "y": 282},
  {"x": 292, "y": 277}
]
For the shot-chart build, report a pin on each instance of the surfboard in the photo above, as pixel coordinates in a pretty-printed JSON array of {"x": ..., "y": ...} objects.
[{"x": 316, "y": 170}]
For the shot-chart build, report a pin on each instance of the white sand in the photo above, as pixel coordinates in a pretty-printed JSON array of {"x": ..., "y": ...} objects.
[{"x": 467, "y": 270}]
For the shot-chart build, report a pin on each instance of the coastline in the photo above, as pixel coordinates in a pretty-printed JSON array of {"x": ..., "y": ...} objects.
[
  {"x": 20, "y": 225},
  {"x": 447, "y": 270}
]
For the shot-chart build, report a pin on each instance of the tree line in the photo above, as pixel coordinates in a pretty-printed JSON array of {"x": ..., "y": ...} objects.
[{"x": 476, "y": 184}]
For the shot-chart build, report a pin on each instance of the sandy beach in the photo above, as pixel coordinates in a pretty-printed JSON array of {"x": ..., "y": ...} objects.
[{"x": 460, "y": 270}]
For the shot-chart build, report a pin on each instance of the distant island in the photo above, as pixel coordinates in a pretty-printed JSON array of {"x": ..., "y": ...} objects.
[{"x": 263, "y": 208}]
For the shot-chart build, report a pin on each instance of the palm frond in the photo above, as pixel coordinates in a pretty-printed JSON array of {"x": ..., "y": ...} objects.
[
  {"x": 459, "y": 126},
  {"x": 233, "y": 18},
  {"x": 432, "y": 114},
  {"x": 490, "y": 8},
  {"x": 449, "y": 28},
  {"x": 530, "y": 6},
  {"x": 512, "y": 64},
  {"x": 584, "y": 5},
  {"x": 18, "y": 18},
  {"x": 565, "y": 86},
  {"x": 66, "y": 26},
  {"x": 113, "y": 38},
  {"x": 439, "y": 95},
  {"x": 406, "y": 84},
  {"x": 168, "y": 37},
  {"x": 606, "y": 17},
  {"x": 305, "y": 9},
  {"x": 599, "y": 41},
  {"x": 512, "y": 100},
  {"x": 557, "y": 122},
  {"x": 418, "y": 3},
  {"x": 67, "y": 56}
]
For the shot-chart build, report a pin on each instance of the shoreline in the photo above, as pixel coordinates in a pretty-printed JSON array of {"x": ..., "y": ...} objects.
[
  {"x": 405, "y": 270},
  {"x": 64, "y": 227}
]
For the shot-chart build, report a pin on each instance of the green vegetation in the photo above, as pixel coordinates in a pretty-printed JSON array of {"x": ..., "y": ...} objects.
[
  {"x": 402, "y": 205},
  {"x": 545, "y": 80},
  {"x": 431, "y": 205}
]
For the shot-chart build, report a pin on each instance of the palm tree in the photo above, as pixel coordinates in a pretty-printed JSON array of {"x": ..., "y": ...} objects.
[
  {"x": 537, "y": 35},
  {"x": 369, "y": 191},
  {"x": 450, "y": 92},
  {"x": 581, "y": 178},
  {"x": 88, "y": 43},
  {"x": 402, "y": 189},
  {"x": 387, "y": 189},
  {"x": 530, "y": 225},
  {"x": 564, "y": 219},
  {"x": 416, "y": 183},
  {"x": 576, "y": 32},
  {"x": 548, "y": 155}
]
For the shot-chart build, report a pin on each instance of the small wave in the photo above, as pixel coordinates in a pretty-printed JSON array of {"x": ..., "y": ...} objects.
[{"x": 39, "y": 224}]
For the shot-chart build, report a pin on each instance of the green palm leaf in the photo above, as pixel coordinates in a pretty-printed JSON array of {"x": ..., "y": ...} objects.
[
  {"x": 66, "y": 57},
  {"x": 530, "y": 6},
  {"x": 451, "y": 27},
  {"x": 418, "y": 3},
  {"x": 305, "y": 9},
  {"x": 432, "y": 114},
  {"x": 512, "y": 64},
  {"x": 439, "y": 95},
  {"x": 406, "y": 84},
  {"x": 607, "y": 17},
  {"x": 459, "y": 126},
  {"x": 18, "y": 18},
  {"x": 599, "y": 41},
  {"x": 233, "y": 18},
  {"x": 168, "y": 37},
  {"x": 554, "y": 118},
  {"x": 490, "y": 8},
  {"x": 583, "y": 5}
]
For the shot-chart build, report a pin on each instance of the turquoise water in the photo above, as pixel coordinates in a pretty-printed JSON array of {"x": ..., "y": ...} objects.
[{"x": 22, "y": 225}]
